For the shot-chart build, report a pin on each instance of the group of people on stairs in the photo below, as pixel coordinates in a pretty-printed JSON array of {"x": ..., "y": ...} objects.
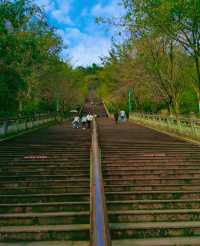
[{"x": 84, "y": 121}]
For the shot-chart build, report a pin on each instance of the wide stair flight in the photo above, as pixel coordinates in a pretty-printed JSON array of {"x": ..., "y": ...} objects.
[
  {"x": 152, "y": 184},
  {"x": 44, "y": 186}
]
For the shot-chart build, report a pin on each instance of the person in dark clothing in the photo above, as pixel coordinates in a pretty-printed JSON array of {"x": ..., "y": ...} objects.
[
  {"x": 116, "y": 115},
  {"x": 127, "y": 114}
]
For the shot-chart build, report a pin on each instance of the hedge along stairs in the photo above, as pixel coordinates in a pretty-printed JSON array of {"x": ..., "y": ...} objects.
[{"x": 44, "y": 186}]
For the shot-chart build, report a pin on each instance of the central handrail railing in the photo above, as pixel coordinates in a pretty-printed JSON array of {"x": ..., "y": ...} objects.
[{"x": 99, "y": 233}]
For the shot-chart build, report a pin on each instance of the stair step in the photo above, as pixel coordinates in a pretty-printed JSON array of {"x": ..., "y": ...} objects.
[
  {"x": 45, "y": 232},
  {"x": 145, "y": 181},
  {"x": 31, "y": 215},
  {"x": 134, "y": 158},
  {"x": 163, "y": 241},
  {"x": 152, "y": 187},
  {"x": 42, "y": 172},
  {"x": 46, "y": 190},
  {"x": 153, "y": 195},
  {"x": 43, "y": 183},
  {"x": 44, "y": 207},
  {"x": 49, "y": 243},
  {"x": 150, "y": 172},
  {"x": 59, "y": 197},
  {"x": 154, "y": 215},
  {"x": 147, "y": 225},
  {"x": 155, "y": 229},
  {"x": 148, "y": 168},
  {"x": 50, "y": 218},
  {"x": 152, "y": 176},
  {"x": 43, "y": 177},
  {"x": 49, "y": 163},
  {"x": 152, "y": 165},
  {"x": 154, "y": 204}
]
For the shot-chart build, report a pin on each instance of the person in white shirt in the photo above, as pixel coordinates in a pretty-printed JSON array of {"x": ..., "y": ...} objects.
[
  {"x": 76, "y": 122},
  {"x": 89, "y": 120},
  {"x": 122, "y": 116}
]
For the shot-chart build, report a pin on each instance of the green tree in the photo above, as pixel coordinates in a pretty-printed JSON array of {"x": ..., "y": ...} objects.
[
  {"x": 179, "y": 20},
  {"x": 26, "y": 42}
]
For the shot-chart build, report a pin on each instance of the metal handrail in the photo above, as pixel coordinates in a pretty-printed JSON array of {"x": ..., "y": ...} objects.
[{"x": 99, "y": 233}]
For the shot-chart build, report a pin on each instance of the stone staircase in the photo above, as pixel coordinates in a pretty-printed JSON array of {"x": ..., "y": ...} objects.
[
  {"x": 151, "y": 180},
  {"x": 44, "y": 187},
  {"x": 152, "y": 184}
]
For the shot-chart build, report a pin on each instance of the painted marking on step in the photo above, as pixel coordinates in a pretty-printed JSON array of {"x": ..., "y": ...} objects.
[
  {"x": 154, "y": 154},
  {"x": 34, "y": 157}
]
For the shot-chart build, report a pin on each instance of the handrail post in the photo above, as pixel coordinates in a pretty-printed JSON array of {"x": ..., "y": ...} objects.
[{"x": 99, "y": 233}]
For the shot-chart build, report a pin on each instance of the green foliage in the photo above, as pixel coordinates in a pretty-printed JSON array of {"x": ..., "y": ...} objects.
[
  {"x": 160, "y": 59},
  {"x": 176, "y": 20},
  {"x": 32, "y": 76},
  {"x": 10, "y": 83},
  {"x": 189, "y": 104}
]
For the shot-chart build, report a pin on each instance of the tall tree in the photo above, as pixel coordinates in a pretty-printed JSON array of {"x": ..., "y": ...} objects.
[{"x": 177, "y": 19}]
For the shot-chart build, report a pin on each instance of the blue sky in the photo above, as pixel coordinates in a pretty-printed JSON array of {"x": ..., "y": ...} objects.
[{"x": 75, "y": 21}]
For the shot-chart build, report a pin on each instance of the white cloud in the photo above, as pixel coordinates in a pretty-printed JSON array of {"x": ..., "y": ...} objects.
[
  {"x": 90, "y": 51},
  {"x": 74, "y": 33},
  {"x": 84, "y": 48},
  {"x": 48, "y": 5},
  {"x": 112, "y": 9},
  {"x": 58, "y": 9},
  {"x": 70, "y": 36},
  {"x": 62, "y": 34},
  {"x": 61, "y": 11},
  {"x": 61, "y": 16},
  {"x": 64, "y": 5},
  {"x": 88, "y": 48}
]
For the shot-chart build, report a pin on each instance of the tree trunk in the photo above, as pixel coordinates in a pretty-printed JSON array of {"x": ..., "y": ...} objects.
[
  {"x": 20, "y": 106},
  {"x": 177, "y": 109},
  {"x": 63, "y": 106},
  {"x": 57, "y": 105},
  {"x": 170, "y": 109},
  {"x": 171, "y": 60},
  {"x": 199, "y": 104},
  {"x": 198, "y": 98},
  {"x": 170, "y": 106},
  {"x": 198, "y": 78}
]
